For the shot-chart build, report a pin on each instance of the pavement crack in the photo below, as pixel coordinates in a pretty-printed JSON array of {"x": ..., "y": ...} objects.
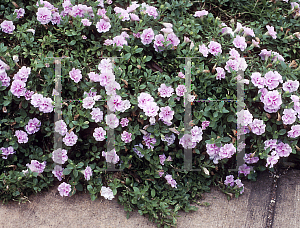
[{"x": 273, "y": 193}]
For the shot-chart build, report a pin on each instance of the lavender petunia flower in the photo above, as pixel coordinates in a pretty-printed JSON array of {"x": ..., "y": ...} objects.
[
  {"x": 103, "y": 26},
  {"x": 33, "y": 126},
  {"x": 59, "y": 156},
  {"x": 58, "y": 172},
  {"x": 64, "y": 189},
  {"x": 7, "y": 26},
  {"x": 257, "y": 127},
  {"x": 124, "y": 122},
  {"x": 99, "y": 134},
  {"x": 147, "y": 36},
  {"x": 18, "y": 88},
  {"x": 126, "y": 137},
  {"x": 214, "y": 48},
  {"x": 44, "y": 15},
  {"x": 240, "y": 42},
  {"x": 112, "y": 121},
  {"x": 70, "y": 139},
  {"x": 22, "y": 136},
  {"x": 88, "y": 173},
  {"x": 75, "y": 75},
  {"x": 291, "y": 86}
]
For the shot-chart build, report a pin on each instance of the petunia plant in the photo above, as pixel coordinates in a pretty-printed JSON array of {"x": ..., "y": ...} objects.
[{"x": 117, "y": 74}]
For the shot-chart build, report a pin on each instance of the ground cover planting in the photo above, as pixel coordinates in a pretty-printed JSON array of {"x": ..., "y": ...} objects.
[{"x": 149, "y": 102}]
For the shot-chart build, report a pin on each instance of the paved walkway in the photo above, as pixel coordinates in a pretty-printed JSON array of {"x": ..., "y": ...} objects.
[{"x": 250, "y": 210}]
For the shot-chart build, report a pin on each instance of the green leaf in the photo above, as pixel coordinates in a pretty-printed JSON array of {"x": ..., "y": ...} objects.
[
  {"x": 136, "y": 190},
  {"x": 221, "y": 104},
  {"x": 79, "y": 187},
  {"x": 16, "y": 193},
  {"x": 224, "y": 110},
  {"x": 72, "y": 42},
  {"x": 231, "y": 118},
  {"x": 226, "y": 139},
  {"x": 67, "y": 171},
  {"x": 283, "y": 64},
  {"x": 93, "y": 197},
  {"x": 142, "y": 86},
  {"x": 138, "y": 50},
  {"x": 153, "y": 193},
  {"x": 90, "y": 188},
  {"x": 282, "y": 132},
  {"x": 178, "y": 116},
  {"x": 75, "y": 173},
  {"x": 269, "y": 128},
  {"x": 148, "y": 58},
  {"x": 80, "y": 164},
  {"x": 127, "y": 56},
  {"x": 6, "y": 103}
]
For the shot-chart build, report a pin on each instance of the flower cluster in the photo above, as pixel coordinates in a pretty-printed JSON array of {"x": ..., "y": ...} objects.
[
  {"x": 218, "y": 153},
  {"x": 147, "y": 104},
  {"x": 118, "y": 41},
  {"x": 277, "y": 150},
  {"x": 165, "y": 91},
  {"x": 230, "y": 181},
  {"x": 250, "y": 159},
  {"x": 213, "y": 47},
  {"x": 169, "y": 139},
  {"x": 18, "y": 85},
  {"x": 163, "y": 158},
  {"x": 47, "y": 13},
  {"x": 235, "y": 62},
  {"x": 246, "y": 31},
  {"x": 265, "y": 54},
  {"x": 149, "y": 141},
  {"x": 189, "y": 141},
  {"x": 43, "y": 103},
  {"x": 159, "y": 40},
  {"x": 245, "y": 118}
]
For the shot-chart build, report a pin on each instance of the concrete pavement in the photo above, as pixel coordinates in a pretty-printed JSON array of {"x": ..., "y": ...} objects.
[{"x": 249, "y": 210}]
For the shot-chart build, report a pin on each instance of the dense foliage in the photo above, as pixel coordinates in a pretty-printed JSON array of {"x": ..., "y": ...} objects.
[{"x": 140, "y": 95}]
